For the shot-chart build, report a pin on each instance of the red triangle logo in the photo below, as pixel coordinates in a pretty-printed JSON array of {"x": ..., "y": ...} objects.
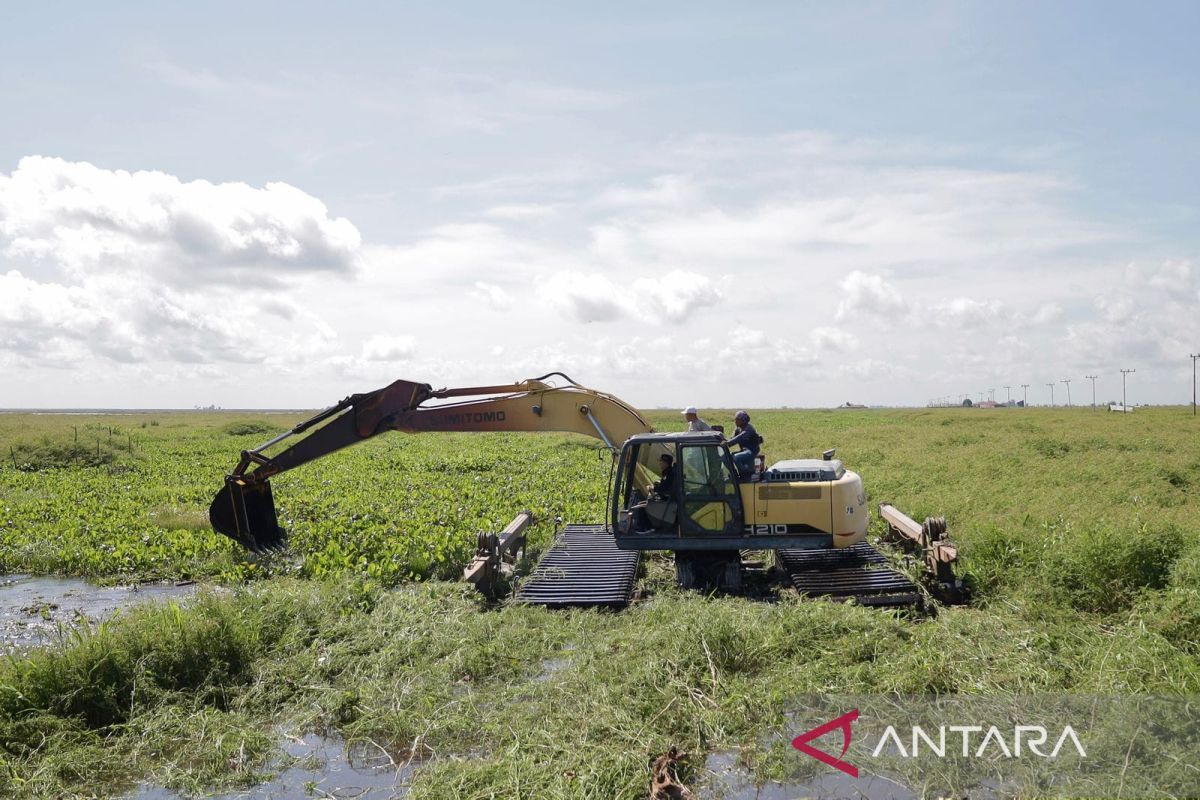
[{"x": 801, "y": 742}]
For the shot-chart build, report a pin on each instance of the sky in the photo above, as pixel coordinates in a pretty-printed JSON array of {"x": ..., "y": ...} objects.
[{"x": 723, "y": 205}]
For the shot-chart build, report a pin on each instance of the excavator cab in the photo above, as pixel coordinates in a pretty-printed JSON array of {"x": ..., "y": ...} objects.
[
  {"x": 799, "y": 503},
  {"x": 698, "y": 507},
  {"x": 707, "y": 513}
]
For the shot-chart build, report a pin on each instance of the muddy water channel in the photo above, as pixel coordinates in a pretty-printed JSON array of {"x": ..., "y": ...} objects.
[
  {"x": 319, "y": 766},
  {"x": 33, "y": 610},
  {"x": 39, "y": 611}
]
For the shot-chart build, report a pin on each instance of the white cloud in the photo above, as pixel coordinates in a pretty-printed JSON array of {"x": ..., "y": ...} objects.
[
  {"x": 123, "y": 320},
  {"x": 51, "y": 323},
  {"x": 836, "y": 340},
  {"x": 871, "y": 294},
  {"x": 663, "y": 191},
  {"x": 742, "y": 337},
  {"x": 1147, "y": 318},
  {"x": 966, "y": 312},
  {"x": 553, "y": 182},
  {"x": 754, "y": 351},
  {"x": 675, "y": 296},
  {"x": 1047, "y": 313},
  {"x": 836, "y": 211},
  {"x": 484, "y": 102},
  {"x": 205, "y": 81},
  {"x": 468, "y": 252},
  {"x": 593, "y": 297},
  {"x": 389, "y": 348},
  {"x": 72, "y": 217},
  {"x": 521, "y": 211},
  {"x": 1174, "y": 276},
  {"x": 142, "y": 267},
  {"x": 584, "y": 297},
  {"x": 870, "y": 371},
  {"x": 493, "y": 295},
  {"x": 1115, "y": 309}
]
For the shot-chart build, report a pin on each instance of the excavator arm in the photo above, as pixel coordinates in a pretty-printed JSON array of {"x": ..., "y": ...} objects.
[{"x": 244, "y": 508}]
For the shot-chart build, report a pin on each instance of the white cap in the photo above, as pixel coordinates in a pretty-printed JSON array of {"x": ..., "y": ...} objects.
[{"x": 689, "y": 410}]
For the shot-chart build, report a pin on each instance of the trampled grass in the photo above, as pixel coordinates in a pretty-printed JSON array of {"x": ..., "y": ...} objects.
[{"x": 1077, "y": 528}]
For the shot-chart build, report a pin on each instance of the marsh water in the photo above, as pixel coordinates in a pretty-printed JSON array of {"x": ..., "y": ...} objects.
[
  {"x": 36, "y": 611},
  {"x": 319, "y": 766}
]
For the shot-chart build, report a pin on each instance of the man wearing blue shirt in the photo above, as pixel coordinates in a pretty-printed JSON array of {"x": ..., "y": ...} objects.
[{"x": 749, "y": 440}]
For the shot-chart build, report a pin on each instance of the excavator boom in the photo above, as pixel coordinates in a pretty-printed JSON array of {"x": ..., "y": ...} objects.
[{"x": 244, "y": 509}]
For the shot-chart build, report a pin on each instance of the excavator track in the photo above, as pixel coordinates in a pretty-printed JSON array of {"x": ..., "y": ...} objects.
[
  {"x": 583, "y": 568},
  {"x": 859, "y": 573}
]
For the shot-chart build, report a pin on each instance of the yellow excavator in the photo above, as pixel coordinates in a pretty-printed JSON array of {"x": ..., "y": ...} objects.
[{"x": 704, "y": 510}]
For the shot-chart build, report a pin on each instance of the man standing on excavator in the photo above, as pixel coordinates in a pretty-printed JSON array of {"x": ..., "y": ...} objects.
[{"x": 694, "y": 421}]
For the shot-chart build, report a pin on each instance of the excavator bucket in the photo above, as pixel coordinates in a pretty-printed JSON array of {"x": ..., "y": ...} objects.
[{"x": 246, "y": 514}]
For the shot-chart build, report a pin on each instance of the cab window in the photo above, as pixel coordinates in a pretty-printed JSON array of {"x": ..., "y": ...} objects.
[
  {"x": 705, "y": 473},
  {"x": 644, "y": 470}
]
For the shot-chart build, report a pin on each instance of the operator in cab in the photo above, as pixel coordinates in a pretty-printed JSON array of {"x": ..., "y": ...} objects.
[
  {"x": 665, "y": 484},
  {"x": 748, "y": 439}
]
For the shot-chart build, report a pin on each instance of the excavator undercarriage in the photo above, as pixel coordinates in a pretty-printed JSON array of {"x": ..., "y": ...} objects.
[{"x": 584, "y": 568}]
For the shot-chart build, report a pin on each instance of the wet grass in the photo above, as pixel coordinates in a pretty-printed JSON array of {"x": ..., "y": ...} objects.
[
  {"x": 1077, "y": 529},
  {"x": 190, "y": 696}
]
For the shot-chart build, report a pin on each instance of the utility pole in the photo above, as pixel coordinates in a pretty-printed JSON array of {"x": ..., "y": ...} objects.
[
  {"x": 1194, "y": 356},
  {"x": 1009, "y": 388},
  {"x": 1092, "y": 378},
  {"x": 1051, "y": 385},
  {"x": 1067, "y": 381},
  {"x": 1025, "y": 386},
  {"x": 992, "y": 395},
  {"x": 1124, "y": 405}
]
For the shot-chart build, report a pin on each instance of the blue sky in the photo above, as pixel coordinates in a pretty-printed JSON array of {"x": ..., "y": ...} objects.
[{"x": 279, "y": 204}]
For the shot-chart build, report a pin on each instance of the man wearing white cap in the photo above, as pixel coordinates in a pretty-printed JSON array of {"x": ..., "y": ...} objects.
[{"x": 694, "y": 421}]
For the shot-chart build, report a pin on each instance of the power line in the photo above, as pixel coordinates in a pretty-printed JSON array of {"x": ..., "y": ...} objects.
[
  {"x": 1092, "y": 378},
  {"x": 1009, "y": 388},
  {"x": 1124, "y": 405},
  {"x": 1193, "y": 357},
  {"x": 1025, "y": 386},
  {"x": 1067, "y": 381},
  {"x": 1051, "y": 385}
]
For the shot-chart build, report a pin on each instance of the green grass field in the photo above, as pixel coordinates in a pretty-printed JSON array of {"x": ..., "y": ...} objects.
[{"x": 1077, "y": 530}]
